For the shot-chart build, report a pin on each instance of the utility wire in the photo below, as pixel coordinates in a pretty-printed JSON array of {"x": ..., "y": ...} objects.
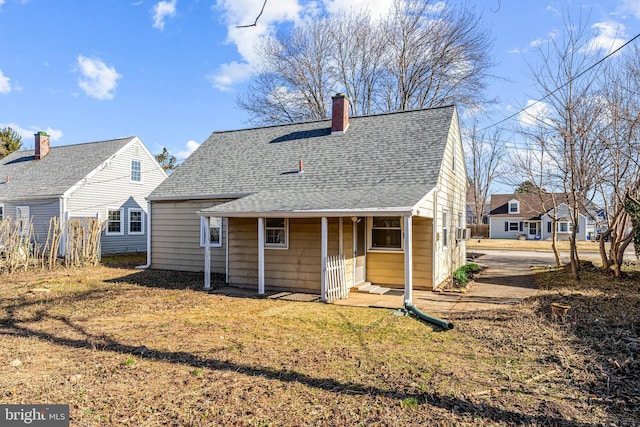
[{"x": 580, "y": 74}]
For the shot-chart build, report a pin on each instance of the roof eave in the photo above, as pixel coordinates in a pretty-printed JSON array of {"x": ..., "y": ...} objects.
[{"x": 319, "y": 213}]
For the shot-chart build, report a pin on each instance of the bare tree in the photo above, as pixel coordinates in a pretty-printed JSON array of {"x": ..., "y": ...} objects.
[
  {"x": 570, "y": 125},
  {"x": 424, "y": 54},
  {"x": 435, "y": 55},
  {"x": 294, "y": 84},
  {"x": 619, "y": 134},
  {"x": 484, "y": 155}
]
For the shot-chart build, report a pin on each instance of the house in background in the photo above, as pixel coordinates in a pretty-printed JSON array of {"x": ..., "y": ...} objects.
[
  {"x": 108, "y": 180},
  {"x": 530, "y": 216},
  {"x": 386, "y": 191}
]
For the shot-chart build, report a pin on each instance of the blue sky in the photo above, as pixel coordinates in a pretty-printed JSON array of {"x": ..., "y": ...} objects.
[{"x": 169, "y": 71}]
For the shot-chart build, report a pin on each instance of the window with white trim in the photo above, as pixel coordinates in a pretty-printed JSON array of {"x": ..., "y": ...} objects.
[
  {"x": 514, "y": 207},
  {"x": 23, "y": 218},
  {"x": 514, "y": 226},
  {"x": 215, "y": 232},
  {"x": 136, "y": 170},
  {"x": 114, "y": 221},
  {"x": 136, "y": 221},
  {"x": 276, "y": 233},
  {"x": 564, "y": 227},
  {"x": 386, "y": 233},
  {"x": 445, "y": 228}
]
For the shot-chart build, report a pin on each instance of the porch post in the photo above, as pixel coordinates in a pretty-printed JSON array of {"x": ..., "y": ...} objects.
[
  {"x": 340, "y": 237},
  {"x": 261, "y": 256},
  {"x": 408, "y": 259},
  {"x": 323, "y": 254},
  {"x": 207, "y": 253}
]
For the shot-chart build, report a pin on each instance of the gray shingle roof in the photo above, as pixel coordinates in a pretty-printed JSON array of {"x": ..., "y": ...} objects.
[
  {"x": 55, "y": 173},
  {"x": 382, "y": 161}
]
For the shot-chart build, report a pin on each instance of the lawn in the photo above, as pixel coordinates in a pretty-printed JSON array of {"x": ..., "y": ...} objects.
[
  {"x": 528, "y": 245},
  {"x": 125, "y": 347}
]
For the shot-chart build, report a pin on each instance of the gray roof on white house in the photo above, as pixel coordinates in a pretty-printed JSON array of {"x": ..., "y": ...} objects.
[
  {"x": 384, "y": 161},
  {"x": 55, "y": 173}
]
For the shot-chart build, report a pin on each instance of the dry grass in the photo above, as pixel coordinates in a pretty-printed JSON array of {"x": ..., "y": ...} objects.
[
  {"x": 144, "y": 348},
  {"x": 527, "y": 245}
]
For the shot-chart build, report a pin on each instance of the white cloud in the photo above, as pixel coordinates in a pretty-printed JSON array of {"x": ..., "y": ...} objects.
[
  {"x": 98, "y": 80},
  {"x": 161, "y": 11},
  {"x": 244, "y": 12},
  {"x": 27, "y": 133},
  {"x": 536, "y": 112},
  {"x": 5, "y": 86},
  {"x": 631, "y": 6},
  {"x": 191, "y": 146},
  {"x": 375, "y": 8},
  {"x": 228, "y": 74},
  {"x": 611, "y": 35}
]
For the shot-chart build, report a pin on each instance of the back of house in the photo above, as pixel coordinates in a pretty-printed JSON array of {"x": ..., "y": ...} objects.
[{"x": 267, "y": 206}]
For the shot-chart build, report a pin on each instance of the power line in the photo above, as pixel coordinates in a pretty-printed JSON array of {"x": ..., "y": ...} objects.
[{"x": 580, "y": 74}]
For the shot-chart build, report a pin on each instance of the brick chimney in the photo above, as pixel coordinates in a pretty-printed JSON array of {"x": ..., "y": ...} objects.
[
  {"x": 339, "y": 114},
  {"x": 42, "y": 145}
]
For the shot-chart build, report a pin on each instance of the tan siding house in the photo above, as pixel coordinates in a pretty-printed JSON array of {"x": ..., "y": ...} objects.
[{"x": 383, "y": 193}]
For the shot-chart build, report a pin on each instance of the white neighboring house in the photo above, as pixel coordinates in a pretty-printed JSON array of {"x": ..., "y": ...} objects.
[
  {"x": 530, "y": 216},
  {"x": 108, "y": 180}
]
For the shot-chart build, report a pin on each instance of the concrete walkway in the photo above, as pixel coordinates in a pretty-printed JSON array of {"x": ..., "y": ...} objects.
[{"x": 506, "y": 281}]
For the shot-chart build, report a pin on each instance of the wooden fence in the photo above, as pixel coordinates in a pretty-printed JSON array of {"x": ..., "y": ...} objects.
[
  {"x": 336, "y": 278},
  {"x": 479, "y": 230}
]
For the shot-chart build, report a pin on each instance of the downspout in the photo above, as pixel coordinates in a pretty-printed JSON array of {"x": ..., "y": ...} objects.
[
  {"x": 148, "y": 264},
  {"x": 434, "y": 243},
  {"x": 226, "y": 254}
]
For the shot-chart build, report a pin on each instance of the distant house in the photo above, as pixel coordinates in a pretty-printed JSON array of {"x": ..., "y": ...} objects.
[
  {"x": 386, "y": 191},
  {"x": 530, "y": 216},
  {"x": 108, "y": 180}
]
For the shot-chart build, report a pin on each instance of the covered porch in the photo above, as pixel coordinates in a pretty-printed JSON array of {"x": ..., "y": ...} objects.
[{"x": 292, "y": 252}]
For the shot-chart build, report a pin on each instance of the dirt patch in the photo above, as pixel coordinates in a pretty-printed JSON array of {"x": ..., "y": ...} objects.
[{"x": 126, "y": 347}]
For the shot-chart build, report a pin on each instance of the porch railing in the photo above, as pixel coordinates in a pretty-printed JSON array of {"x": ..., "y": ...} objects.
[{"x": 336, "y": 278}]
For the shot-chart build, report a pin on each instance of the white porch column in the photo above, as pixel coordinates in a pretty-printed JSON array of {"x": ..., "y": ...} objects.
[
  {"x": 340, "y": 237},
  {"x": 207, "y": 253},
  {"x": 261, "y": 256},
  {"x": 408, "y": 260},
  {"x": 323, "y": 254}
]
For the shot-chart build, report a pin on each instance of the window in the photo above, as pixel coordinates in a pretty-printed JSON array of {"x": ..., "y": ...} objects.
[
  {"x": 549, "y": 225},
  {"x": 514, "y": 226},
  {"x": 136, "y": 171},
  {"x": 135, "y": 221},
  {"x": 23, "y": 218},
  {"x": 514, "y": 207},
  {"x": 275, "y": 233},
  {"x": 386, "y": 232},
  {"x": 114, "y": 221},
  {"x": 563, "y": 227},
  {"x": 215, "y": 232},
  {"x": 445, "y": 228},
  {"x": 1, "y": 212}
]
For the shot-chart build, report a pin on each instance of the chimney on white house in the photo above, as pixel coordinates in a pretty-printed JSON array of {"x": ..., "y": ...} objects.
[
  {"x": 339, "y": 114},
  {"x": 42, "y": 145}
]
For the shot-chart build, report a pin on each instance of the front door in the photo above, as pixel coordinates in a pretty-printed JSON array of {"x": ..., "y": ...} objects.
[
  {"x": 533, "y": 229},
  {"x": 359, "y": 252}
]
